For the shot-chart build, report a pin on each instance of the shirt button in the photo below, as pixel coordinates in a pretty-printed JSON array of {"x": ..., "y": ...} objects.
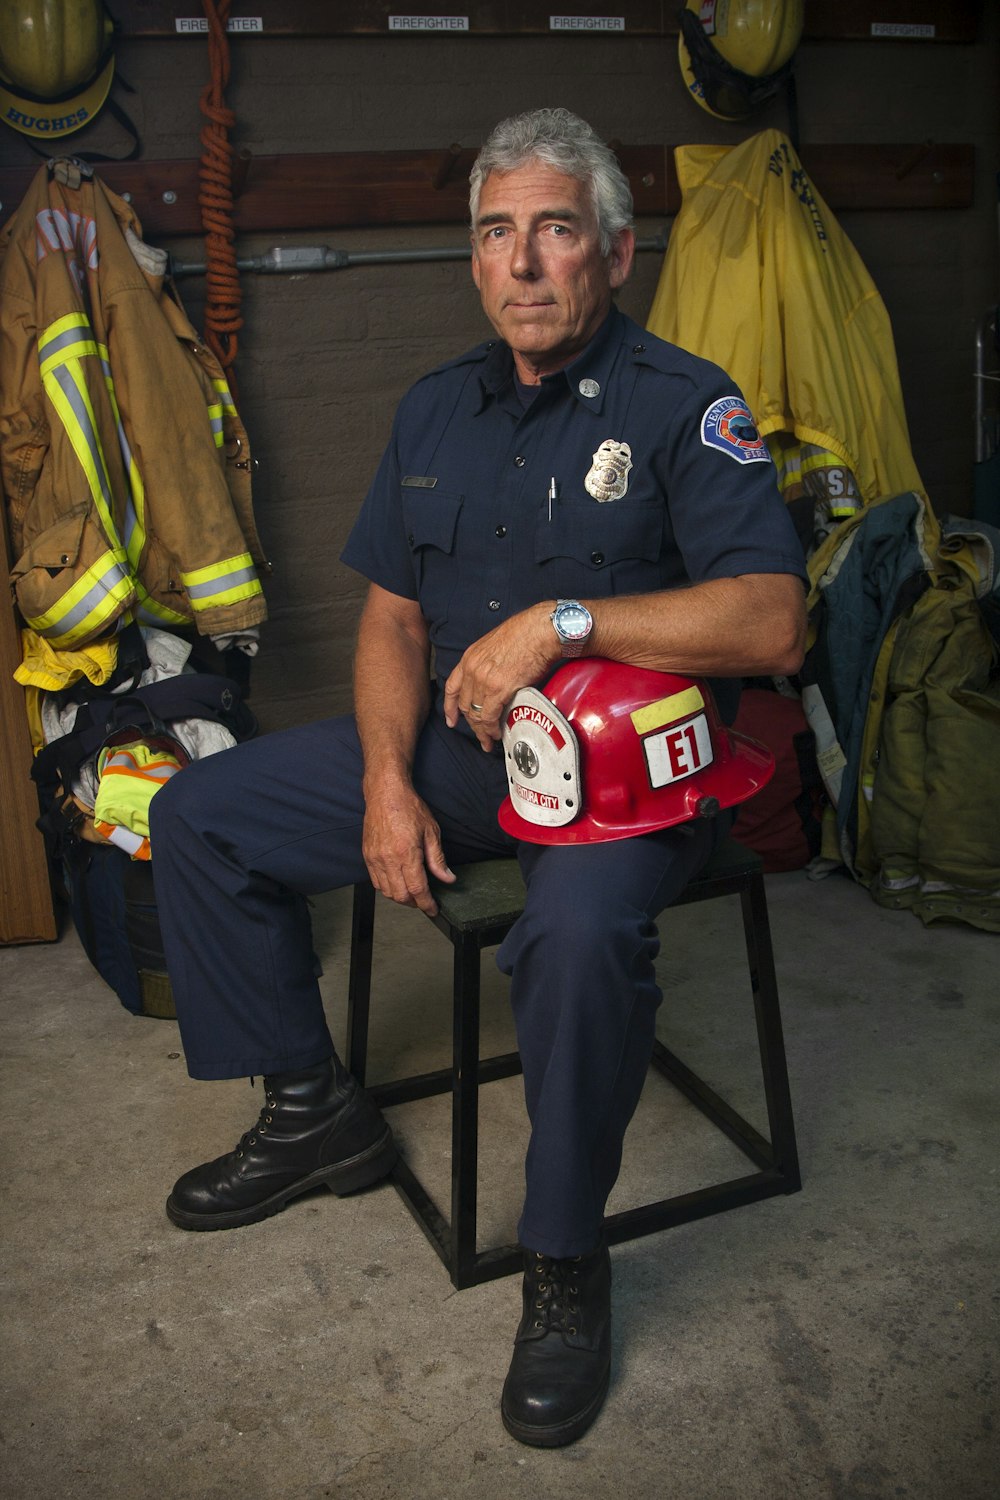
[
  {"x": 519, "y": 461},
  {"x": 494, "y": 604},
  {"x": 597, "y": 558},
  {"x": 501, "y": 531},
  {"x": 410, "y": 538}
]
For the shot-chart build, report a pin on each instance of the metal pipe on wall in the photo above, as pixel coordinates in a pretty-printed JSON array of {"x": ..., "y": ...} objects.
[{"x": 299, "y": 259}]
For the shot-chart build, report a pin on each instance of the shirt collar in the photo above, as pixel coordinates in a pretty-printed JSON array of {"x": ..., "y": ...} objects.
[{"x": 587, "y": 376}]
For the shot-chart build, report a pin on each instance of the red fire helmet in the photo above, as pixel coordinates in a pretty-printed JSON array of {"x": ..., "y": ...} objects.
[{"x": 609, "y": 751}]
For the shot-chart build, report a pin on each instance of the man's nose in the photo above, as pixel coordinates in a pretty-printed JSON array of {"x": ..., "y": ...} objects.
[{"x": 524, "y": 257}]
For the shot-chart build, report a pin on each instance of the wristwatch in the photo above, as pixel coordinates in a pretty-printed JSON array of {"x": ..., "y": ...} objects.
[{"x": 572, "y": 622}]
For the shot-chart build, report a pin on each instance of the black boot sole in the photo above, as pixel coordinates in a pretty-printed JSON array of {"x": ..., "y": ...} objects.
[{"x": 342, "y": 1177}]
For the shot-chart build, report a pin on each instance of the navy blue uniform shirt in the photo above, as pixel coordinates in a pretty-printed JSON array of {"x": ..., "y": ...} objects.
[{"x": 459, "y": 515}]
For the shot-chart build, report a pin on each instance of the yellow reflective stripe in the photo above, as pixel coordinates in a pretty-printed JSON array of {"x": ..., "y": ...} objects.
[
  {"x": 67, "y": 390},
  {"x": 89, "y": 606},
  {"x": 227, "y": 401},
  {"x": 135, "y": 504},
  {"x": 153, "y": 612},
  {"x": 68, "y": 320},
  {"x": 666, "y": 710},
  {"x": 822, "y": 460},
  {"x": 225, "y": 582},
  {"x": 56, "y": 357},
  {"x": 214, "y": 410},
  {"x": 59, "y": 351},
  {"x": 241, "y": 562},
  {"x": 62, "y": 345},
  {"x": 234, "y": 595},
  {"x": 64, "y": 335}
]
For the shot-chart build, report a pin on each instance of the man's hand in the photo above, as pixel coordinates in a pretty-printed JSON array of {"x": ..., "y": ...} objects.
[
  {"x": 517, "y": 653},
  {"x": 401, "y": 843}
]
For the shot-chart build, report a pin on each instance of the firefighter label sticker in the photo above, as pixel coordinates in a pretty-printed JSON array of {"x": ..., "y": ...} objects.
[
  {"x": 543, "y": 760},
  {"x": 608, "y": 476},
  {"x": 728, "y": 426},
  {"x": 679, "y": 751}
]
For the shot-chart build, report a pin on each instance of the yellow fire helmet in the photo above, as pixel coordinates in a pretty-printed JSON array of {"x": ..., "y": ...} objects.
[
  {"x": 56, "y": 65},
  {"x": 736, "y": 54}
]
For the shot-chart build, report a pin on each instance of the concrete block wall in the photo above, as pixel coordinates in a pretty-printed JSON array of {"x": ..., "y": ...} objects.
[{"x": 324, "y": 358}]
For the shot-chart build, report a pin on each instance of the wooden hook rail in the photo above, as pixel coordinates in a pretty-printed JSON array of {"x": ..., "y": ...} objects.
[{"x": 355, "y": 189}]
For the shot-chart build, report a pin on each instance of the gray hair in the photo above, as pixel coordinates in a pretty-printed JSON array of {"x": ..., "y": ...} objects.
[{"x": 566, "y": 143}]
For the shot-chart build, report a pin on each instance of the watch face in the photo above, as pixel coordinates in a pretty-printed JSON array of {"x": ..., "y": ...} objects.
[{"x": 573, "y": 621}]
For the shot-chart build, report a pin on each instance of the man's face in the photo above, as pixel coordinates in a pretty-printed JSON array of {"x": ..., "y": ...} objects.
[{"x": 536, "y": 259}]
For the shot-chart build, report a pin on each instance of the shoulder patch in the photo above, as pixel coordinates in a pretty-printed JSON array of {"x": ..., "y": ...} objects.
[{"x": 728, "y": 426}]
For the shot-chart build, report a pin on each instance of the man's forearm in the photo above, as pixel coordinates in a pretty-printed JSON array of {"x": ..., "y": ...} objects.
[
  {"x": 730, "y": 627},
  {"x": 391, "y": 695},
  {"x": 401, "y": 841}
]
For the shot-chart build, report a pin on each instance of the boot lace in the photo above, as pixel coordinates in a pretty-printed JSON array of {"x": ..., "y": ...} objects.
[
  {"x": 554, "y": 1293},
  {"x": 249, "y": 1137}
]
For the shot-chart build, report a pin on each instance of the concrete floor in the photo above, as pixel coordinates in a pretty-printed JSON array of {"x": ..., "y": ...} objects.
[{"x": 839, "y": 1343}]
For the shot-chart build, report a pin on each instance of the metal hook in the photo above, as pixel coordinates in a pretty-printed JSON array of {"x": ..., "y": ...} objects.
[
  {"x": 914, "y": 159},
  {"x": 447, "y": 166}
]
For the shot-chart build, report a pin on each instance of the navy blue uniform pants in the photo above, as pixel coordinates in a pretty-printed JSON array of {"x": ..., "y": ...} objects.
[{"x": 242, "y": 839}]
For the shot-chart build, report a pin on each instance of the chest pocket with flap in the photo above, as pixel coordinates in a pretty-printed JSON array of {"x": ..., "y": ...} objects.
[
  {"x": 431, "y": 520},
  {"x": 614, "y": 548}
]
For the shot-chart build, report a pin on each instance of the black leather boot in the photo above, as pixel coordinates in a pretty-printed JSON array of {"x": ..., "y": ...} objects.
[
  {"x": 558, "y": 1378},
  {"x": 317, "y": 1129}
]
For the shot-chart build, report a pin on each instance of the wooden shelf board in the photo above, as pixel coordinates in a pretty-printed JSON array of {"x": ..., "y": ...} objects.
[{"x": 920, "y": 21}]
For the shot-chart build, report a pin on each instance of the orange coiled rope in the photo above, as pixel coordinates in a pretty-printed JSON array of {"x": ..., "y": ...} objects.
[{"x": 215, "y": 199}]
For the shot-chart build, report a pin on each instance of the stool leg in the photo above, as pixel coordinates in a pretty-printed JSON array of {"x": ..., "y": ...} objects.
[
  {"x": 760, "y": 954},
  {"x": 359, "y": 982},
  {"x": 465, "y": 1109}
]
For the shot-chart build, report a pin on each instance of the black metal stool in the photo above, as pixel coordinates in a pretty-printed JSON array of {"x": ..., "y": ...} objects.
[{"x": 476, "y": 913}]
